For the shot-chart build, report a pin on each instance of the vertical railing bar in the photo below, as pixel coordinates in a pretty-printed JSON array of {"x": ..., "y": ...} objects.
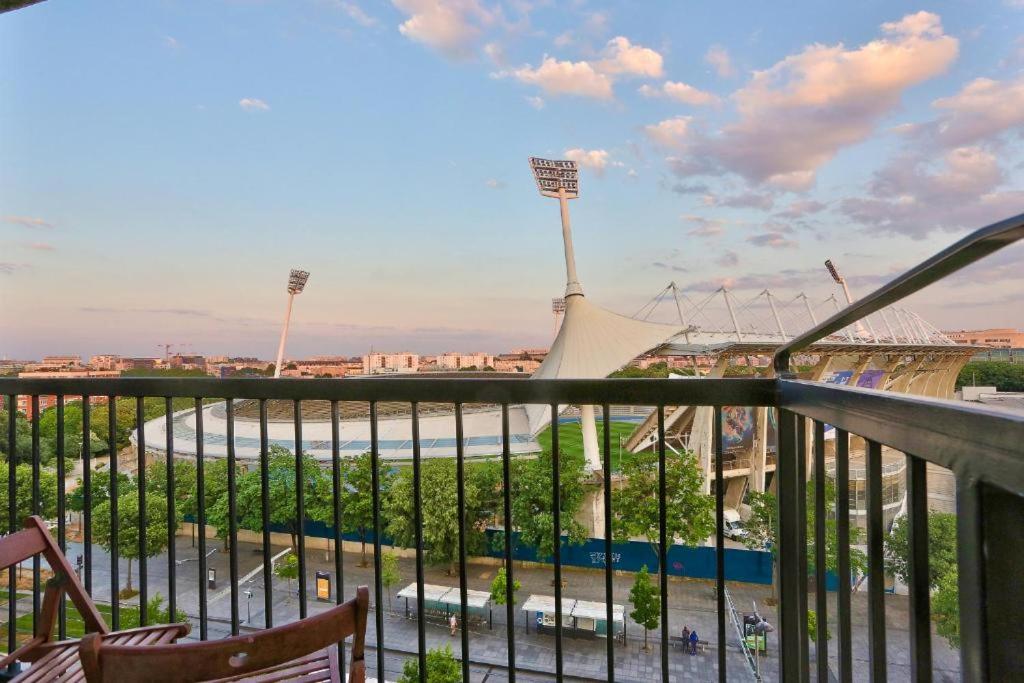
[
  {"x": 820, "y": 555},
  {"x": 115, "y": 606},
  {"x": 36, "y": 510},
  {"x": 788, "y": 565},
  {"x": 300, "y": 507},
  {"x": 172, "y": 513},
  {"x": 268, "y": 569},
  {"x": 843, "y": 606},
  {"x": 339, "y": 564},
  {"x": 460, "y": 477},
  {"x": 801, "y": 546},
  {"x": 506, "y": 473},
  {"x": 12, "y": 521},
  {"x": 608, "y": 561},
  {"x": 876, "y": 572},
  {"x": 140, "y": 478},
  {"x": 62, "y": 540},
  {"x": 556, "y": 511},
  {"x": 232, "y": 516},
  {"x": 417, "y": 494},
  {"x": 720, "y": 542},
  {"x": 87, "y": 485},
  {"x": 972, "y": 581},
  {"x": 377, "y": 586},
  {"x": 201, "y": 516},
  {"x": 918, "y": 575},
  {"x": 663, "y": 541}
]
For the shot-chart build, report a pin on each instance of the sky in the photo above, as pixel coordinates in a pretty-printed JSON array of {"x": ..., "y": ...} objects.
[{"x": 163, "y": 164}]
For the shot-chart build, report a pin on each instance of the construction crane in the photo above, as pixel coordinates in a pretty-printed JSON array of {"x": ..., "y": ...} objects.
[{"x": 167, "y": 348}]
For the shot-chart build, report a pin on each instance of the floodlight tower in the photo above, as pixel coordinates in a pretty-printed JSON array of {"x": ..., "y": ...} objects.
[
  {"x": 296, "y": 283},
  {"x": 840, "y": 280},
  {"x": 560, "y": 179},
  {"x": 558, "y": 308}
]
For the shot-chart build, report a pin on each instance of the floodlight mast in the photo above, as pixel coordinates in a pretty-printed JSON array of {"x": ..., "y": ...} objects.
[
  {"x": 296, "y": 283},
  {"x": 840, "y": 280},
  {"x": 560, "y": 179}
]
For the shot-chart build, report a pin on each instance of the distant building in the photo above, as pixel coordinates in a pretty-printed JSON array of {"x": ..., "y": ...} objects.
[
  {"x": 998, "y": 337},
  {"x": 387, "y": 363},
  {"x": 180, "y": 362},
  {"x": 453, "y": 360},
  {"x": 62, "y": 361},
  {"x": 136, "y": 363},
  {"x": 25, "y": 402},
  {"x": 517, "y": 362},
  {"x": 317, "y": 366},
  {"x": 104, "y": 362}
]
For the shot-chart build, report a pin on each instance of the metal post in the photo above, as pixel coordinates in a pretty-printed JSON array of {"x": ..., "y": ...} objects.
[
  {"x": 284, "y": 336},
  {"x": 732, "y": 313},
  {"x": 775, "y": 313},
  {"x": 572, "y": 284}
]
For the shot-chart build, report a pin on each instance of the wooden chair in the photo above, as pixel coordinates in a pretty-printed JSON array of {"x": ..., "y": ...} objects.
[
  {"x": 51, "y": 658},
  {"x": 306, "y": 650}
]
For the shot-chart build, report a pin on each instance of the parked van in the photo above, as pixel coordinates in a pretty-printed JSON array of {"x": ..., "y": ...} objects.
[{"x": 733, "y": 525}]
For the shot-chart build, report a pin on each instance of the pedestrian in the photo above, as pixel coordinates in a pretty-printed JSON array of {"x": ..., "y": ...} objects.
[
  {"x": 693, "y": 641},
  {"x": 453, "y": 624},
  {"x": 686, "y": 637}
]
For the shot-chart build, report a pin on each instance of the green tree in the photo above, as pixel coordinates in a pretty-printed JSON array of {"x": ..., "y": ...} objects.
[
  {"x": 439, "y": 511},
  {"x": 184, "y": 484},
  {"x": 389, "y": 573},
  {"x": 442, "y": 667},
  {"x": 946, "y": 608},
  {"x": 812, "y": 626},
  {"x": 499, "y": 588},
  {"x": 531, "y": 501},
  {"x": 288, "y": 568},
  {"x": 1001, "y": 375},
  {"x": 129, "y": 527},
  {"x": 23, "y": 495},
  {"x": 22, "y": 439},
  {"x": 941, "y": 547},
  {"x": 646, "y": 601},
  {"x": 357, "y": 496},
  {"x": 157, "y": 613},
  {"x": 690, "y": 512}
]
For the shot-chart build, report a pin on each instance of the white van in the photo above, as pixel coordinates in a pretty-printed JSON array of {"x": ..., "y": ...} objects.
[{"x": 733, "y": 525}]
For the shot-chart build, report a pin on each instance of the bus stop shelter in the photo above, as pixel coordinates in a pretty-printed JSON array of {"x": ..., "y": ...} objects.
[
  {"x": 443, "y": 601},
  {"x": 580, "y": 618}
]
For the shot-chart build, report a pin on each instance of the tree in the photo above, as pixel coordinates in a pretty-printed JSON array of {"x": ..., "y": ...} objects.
[
  {"x": 946, "y": 607},
  {"x": 812, "y": 626},
  {"x": 941, "y": 547},
  {"x": 22, "y": 439},
  {"x": 1001, "y": 375},
  {"x": 531, "y": 501},
  {"x": 389, "y": 573},
  {"x": 499, "y": 588},
  {"x": 357, "y": 496},
  {"x": 439, "y": 513},
  {"x": 158, "y": 614},
  {"x": 288, "y": 568},
  {"x": 442, "y": 667},
  {"x": 47, "y": 508},
  {"x": 646, "y": 603},
  {"x": 129, "y": 527},
  {"x": 690, "y": 513}
]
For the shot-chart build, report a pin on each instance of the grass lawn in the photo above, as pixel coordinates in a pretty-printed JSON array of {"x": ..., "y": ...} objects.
[
  {"x": 76, "y": 627},
  {"x": 570, "y": 438}
]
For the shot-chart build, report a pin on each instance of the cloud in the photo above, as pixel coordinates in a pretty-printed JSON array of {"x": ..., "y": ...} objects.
[
  {"x": 41, "y": 246},
  {"x": 451, "y": 27},
  {"x": 681, "y": 92},
  {"x": 594, "y": 159},
  {"x": 982, "y": 110},
  {"x": 696, "y": 188},
  {"x": 796, "y": 115},
  {"x": 704, "y": 227},
  {"x": 356, "y": 13},
  {"x": 535, "y": 102},
  {"x": 728, "y": 258},
  {"x": 669, "y": 266},
  {"x": 253, "y": 104},
  {"x": 621, "y": 58},
  {"x": 171, "y": 42},
  {"x": 746, "y": 200},
  {"x": 26, "y": 222},
  {"x": 7, "y": 268},
  {"x": 494, "y": 184},
  {"x": 801, "y": 208},
  {"x": 670, "y": 133},
  {"x": 772, "y": 239},
  {"x": 564, "y": 78},
  {"x": 719, "y": 59}
]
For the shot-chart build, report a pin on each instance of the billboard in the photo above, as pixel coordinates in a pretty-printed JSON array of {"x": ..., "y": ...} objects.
[
  {"x": 554, "y": 174},
  {"x": 737, "y": 428},
  {"x": 871, "y": 379},
  {"x": 771, "y": 437}
]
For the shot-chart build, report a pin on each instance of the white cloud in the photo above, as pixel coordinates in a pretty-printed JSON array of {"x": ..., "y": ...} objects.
[
  {"x": 983, "y": 109},
  {"x": 719, "y": 59},
  {"x": 670, "y": 133},
  {"x": 535, "y": 102},
  {"x": 681, "y": 92},
  {"x": 451, "y": 27},
  {"x": 595, "y": 159},
  {"x": 494, "y": 184},
  {"x": 746, "y": 200},
  {"x": 704, "y": 227},
  {"x": 771, "y": 239},
  {"x": 801, "y": 208},
  {"x": 253, "y": 104},
  {"x": 41, "y": 246},
  {"x": 356, "y": 14},
  {"x": 796, "y": 115},
  {"x": 26, "y": 221},
  {"x": 564, "y": 78},
  {"x": 171, "y": 42},
  {"x": 621, "y": 58}
]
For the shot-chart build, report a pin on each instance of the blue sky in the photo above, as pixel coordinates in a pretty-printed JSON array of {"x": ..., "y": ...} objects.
[{"x": 163, "y": 164}]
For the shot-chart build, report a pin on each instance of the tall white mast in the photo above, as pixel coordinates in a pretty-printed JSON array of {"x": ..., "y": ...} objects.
[{"x": 296, "y": 283}]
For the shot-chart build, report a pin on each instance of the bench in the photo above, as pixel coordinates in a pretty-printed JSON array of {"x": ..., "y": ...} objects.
[{"x": 677, "y": 641}]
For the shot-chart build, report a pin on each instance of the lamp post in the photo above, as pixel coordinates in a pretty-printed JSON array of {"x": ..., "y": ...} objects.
[
  {"x": 558, "y": 308},
  {"x": 560, "y": 179},
  {"x": 296, "y": 283},
  {"x": 840, "y": 280}
]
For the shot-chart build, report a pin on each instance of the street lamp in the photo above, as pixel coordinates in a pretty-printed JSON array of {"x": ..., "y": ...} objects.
[
  {"x": 248, "y": 610},
  {"x": 296, "y": 283}
]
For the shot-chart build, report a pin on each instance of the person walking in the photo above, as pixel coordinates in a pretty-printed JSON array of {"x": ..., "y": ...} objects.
[
  {"x": 693, "y": 641},
  {"x": 453, "y": 624},
  {"x": 686, "y": 638}
]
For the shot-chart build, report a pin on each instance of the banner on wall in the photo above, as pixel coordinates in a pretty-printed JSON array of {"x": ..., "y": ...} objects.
[
  {"x": 772, "y": 432},
  {"x": 737, "y": 428},
  {"x": 871, "y": 379}
]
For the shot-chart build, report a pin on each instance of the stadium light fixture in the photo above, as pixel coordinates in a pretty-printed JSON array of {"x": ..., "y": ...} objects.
[
  {"x": 840, "y": 280},
  {"x": 296, "y": 283},
  {"x": 560, "y": 179}
]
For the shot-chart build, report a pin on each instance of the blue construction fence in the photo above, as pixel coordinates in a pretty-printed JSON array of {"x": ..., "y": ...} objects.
[{"x": 751, "y": 566}]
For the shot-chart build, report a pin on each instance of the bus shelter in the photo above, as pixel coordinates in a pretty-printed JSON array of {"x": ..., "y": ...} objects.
[
  {"x": 580, "y": 618},
  {"x": 444, "y": 601}
]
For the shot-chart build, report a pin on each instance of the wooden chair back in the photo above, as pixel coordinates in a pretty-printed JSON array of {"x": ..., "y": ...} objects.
[
  {"x": 35, "y": 539},
  {"x": 235, "y": 656}
]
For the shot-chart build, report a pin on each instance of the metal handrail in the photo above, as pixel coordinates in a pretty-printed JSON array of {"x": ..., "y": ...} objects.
[{"x": 970, "y": 249}]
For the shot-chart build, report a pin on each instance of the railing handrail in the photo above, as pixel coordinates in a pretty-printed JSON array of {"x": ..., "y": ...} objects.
[{"x": 970, "y": 249}]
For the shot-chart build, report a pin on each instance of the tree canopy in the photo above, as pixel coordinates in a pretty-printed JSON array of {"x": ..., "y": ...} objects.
[
  {"x": 941, "y": 547},
  {"x": 531, "y": 500}
]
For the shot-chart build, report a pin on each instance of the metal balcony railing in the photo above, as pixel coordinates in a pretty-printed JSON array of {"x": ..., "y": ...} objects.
[{"x": 983, "y": 448}]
